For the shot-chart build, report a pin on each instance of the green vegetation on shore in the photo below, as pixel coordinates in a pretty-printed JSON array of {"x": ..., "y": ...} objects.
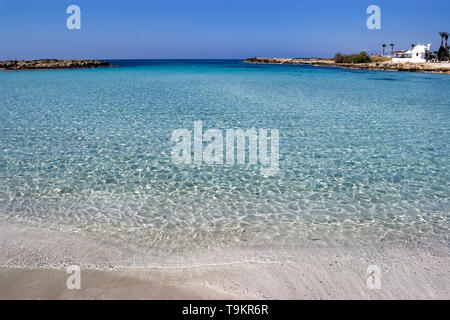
[{"x": 361, "y": 57}]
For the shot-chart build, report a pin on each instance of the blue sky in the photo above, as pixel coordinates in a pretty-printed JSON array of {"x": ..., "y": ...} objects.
[{"x": 139, "y": 29}]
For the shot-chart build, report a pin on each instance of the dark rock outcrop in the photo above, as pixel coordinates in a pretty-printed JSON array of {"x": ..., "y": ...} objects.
[{"x": 51, "y": 64}]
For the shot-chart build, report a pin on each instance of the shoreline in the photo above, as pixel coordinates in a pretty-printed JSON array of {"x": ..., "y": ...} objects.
[
  {"x": 409, "y": 271},
  {"x": 411, "y": 275},
  {"x": 426, "y": 67}
]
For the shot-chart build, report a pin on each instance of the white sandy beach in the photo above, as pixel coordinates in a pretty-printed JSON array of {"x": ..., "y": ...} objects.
[{"x": 32, "y": 267}]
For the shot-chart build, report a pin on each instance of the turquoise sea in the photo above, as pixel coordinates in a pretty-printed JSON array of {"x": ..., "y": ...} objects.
[{"x": 364, "y": 155}]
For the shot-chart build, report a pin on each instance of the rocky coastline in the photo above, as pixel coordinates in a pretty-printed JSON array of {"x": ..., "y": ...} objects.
[
  {"x": 426, "y": 67},
  {"x": 51, "y": 64}
]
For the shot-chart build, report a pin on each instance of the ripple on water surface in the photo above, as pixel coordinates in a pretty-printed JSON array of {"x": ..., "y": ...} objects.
[{"x": 361, "y": 160}]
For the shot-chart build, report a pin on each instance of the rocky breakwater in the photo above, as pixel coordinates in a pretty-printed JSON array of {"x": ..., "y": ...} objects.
[
  {"x": 51, "y": 64},
  {"x": 426, "y": 67},
  {"x": 310, "y": 61}
]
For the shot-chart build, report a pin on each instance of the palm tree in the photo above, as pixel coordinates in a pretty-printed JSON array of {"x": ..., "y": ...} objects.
[
  {"x": 392, "y": 49},
  {"x": 384, "y": 46},
  {"x": 442, "y": 34},
  {"x": 446, "y": 46},
  {"x": 443, "y": 53}
]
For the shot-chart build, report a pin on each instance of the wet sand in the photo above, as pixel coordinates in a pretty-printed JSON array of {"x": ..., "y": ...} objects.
[
  {"x": 408, "y": 271},
  {"x": 50, "y": 284},
  {"x": 321, "y": 277}
]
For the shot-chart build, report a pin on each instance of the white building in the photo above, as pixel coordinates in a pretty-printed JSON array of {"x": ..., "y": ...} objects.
[{"x": 417, "y": 54}]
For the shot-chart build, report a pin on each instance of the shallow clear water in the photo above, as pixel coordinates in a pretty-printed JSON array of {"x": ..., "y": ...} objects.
[{"x": 364, "y": 155}]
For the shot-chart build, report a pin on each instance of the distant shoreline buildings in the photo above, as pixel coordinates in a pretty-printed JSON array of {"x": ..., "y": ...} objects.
[{"x": 418, "y": 53}]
